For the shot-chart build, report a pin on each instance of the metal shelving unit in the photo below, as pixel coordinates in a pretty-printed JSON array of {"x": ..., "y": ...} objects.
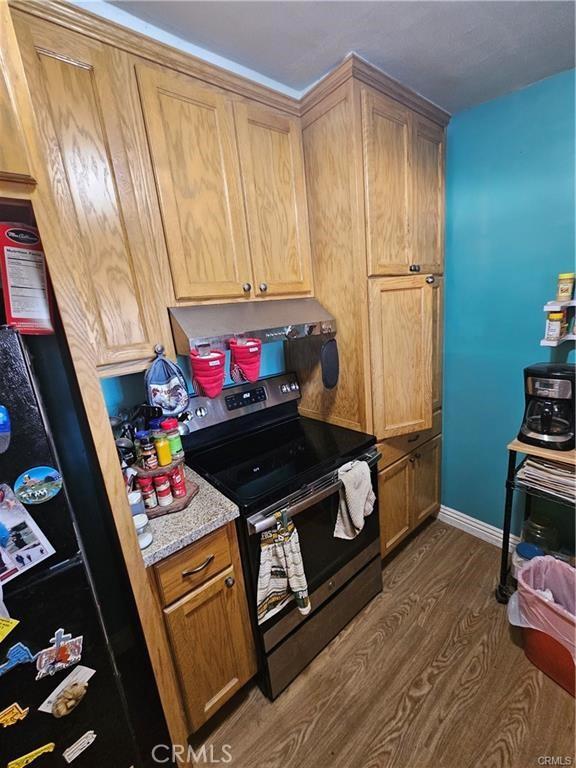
[
  {"x": 503, "y": 591},
  {"x": 558, "y": 306}
]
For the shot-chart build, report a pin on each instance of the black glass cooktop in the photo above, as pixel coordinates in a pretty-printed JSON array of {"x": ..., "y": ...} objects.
[{"x": 256, "y": 468}]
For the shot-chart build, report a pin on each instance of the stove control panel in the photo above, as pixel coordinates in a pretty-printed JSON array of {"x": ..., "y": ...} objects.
[{"x": 241, "y": 399}]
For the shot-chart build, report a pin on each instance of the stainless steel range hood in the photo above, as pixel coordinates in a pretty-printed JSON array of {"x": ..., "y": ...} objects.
[{"x": 213, "y": 325}]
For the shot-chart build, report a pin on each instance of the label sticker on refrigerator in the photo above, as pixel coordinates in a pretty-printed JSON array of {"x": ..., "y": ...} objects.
[
  {"x": 63, "y": 653},
  {"x": 12, "y": 714},
  {"x": 17, "y": 654},
  {"x": 37, "y": 485},
  {"x": 28, "y": 758},
  {"x": 69, "y": 693},
  {"x": 22, "y": 543},
  {"x": 79, "y": 746},
  {"x": 6, "y": 626}
]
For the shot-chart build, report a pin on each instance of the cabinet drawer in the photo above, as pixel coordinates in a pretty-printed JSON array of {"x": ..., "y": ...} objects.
[
  {"x": 193, "y": 565},
  {"x": 393, "y": 449}
]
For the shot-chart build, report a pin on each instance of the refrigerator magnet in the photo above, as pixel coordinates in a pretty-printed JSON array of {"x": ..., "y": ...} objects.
[
  {"x": 63, "y": 653},
  {"x": 37, "y": 485},
  {"x": 66, "y": 697},
  {"x": 6, "y": 626},
  {"x": 17, "y": 654},
  {"x": 12, "y": 714},
  {"x": 79, "y": 746},
  {"x": 5, "y": 429},
  {"x": 20, "y": 762},
  {"x": 22, "y": 543}
]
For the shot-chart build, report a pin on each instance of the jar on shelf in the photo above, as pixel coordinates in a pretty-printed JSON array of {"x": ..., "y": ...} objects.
[
  {"x": 163, "y": 450},
  {"x": 540, "y": 531},
  {"x": 163, "y": 490},
  {"x": 565, "y": 289},
  {"x": 148, "y": 457},
  {"x": 170, "y": 427},
  {"x": 556, "y": 326},
  {"x": 146, "y": 486}
]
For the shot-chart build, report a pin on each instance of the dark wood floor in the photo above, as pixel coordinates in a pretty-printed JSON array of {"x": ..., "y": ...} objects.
[{"x": 427, "y": 676}]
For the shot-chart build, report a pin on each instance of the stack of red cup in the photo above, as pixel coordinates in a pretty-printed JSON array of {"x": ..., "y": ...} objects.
[
  {"x": 245, "y": 360},
  {"x": 208, "y": 372}
]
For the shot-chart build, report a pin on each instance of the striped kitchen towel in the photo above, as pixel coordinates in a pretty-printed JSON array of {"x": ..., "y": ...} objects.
[{"x": 281, "y": 577}]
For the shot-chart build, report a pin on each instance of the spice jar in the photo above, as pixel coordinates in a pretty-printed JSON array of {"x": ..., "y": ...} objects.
[
  {"x": 555, "y": 326},
  {"x": 138, "y": 437},
  {"x": 565, "y": 289},
  {"x": 136, "y": 502},
  {"x": 146, "y": 486},
  {"x": 163, "y": 450},
  {"x": 143, "y": 531},
  {"x": 178, "y": 482},
  {"x": 163, "y": 492},
  {"x": 148, "y": 457},
  {"x": 170, "y": 427}
]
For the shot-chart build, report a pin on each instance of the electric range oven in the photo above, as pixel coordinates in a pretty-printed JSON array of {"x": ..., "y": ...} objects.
[{"x": 254, "y": 447}]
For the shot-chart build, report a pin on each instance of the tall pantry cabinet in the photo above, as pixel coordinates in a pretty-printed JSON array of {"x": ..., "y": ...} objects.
[{"x": 374, "y": 159}]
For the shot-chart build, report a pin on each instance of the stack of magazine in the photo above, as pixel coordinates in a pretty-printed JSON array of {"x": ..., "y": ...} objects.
[{"x": 549, "y": 476}]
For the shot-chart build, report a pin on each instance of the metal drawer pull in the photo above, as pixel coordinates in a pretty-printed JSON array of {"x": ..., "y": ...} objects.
[
  {"x": 198, "y": 568},
  {"x": 229, "y": 581}
]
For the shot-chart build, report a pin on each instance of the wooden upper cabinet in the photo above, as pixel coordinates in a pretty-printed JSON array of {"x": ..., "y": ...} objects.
[
  {"x": 428, "y": 221},
  {"x": 386, "y": 141},
  {"x": 271, "y": 156},
  {"x": 437, "y": 341},
  {"x": 193, "y": 146},
  {"x": 401, "y": 348},
  {"x": 14, "y": 163},
  {"x": 86, "y": 99}
]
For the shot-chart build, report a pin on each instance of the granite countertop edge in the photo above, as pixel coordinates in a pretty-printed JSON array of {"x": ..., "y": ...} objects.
[{"x": 177, "y": 530}]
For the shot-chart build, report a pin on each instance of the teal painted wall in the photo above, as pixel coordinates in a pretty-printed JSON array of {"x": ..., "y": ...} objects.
[
  {"x": 509, "y": 231},
  {"x": 127, "y": 391}
]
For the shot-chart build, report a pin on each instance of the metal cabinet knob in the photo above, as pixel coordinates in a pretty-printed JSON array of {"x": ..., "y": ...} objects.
[
  {"x": 247, "y": 287},
  {"x": 430, "y": 279},
  {"x": 263, "y": 287},
  {"x": 230, "y": 581},
  {"x": 414, "y": 267},
  {"x": 412, "y": 459}
]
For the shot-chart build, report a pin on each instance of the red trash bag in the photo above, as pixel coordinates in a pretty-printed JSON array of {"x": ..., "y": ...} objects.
[{"x": 549, "y": 626}]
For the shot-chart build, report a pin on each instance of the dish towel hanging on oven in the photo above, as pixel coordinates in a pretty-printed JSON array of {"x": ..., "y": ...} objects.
[
  {"x": 356, "y": 499},
  {"x": 281, "y": 577}
]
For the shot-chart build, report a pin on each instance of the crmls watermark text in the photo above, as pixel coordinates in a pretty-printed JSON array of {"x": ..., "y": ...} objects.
[
  {"x": 554, "y": 760},
  {"x": 185, "y": 755}
]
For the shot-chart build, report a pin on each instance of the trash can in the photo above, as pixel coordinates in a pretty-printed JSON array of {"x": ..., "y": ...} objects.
[{"x": 545, "y": 607}]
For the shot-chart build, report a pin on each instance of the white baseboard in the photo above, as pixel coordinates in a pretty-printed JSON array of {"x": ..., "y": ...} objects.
[{"x": 477, "y": 528}]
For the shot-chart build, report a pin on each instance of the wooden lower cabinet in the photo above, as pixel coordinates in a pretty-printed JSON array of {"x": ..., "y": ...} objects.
[
  {"x": 209, "y": 627},
  {"x": 408, "y": 491}
]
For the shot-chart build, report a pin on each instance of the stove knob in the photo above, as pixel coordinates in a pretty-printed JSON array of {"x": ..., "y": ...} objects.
[
  {"x": 285, "y": 388},
  {"x": 201, "y": 411},
  {"x": 294, "y": 386}
]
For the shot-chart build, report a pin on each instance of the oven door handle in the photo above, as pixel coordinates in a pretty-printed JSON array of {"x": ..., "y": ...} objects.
[{"x": 259, "y": 523}]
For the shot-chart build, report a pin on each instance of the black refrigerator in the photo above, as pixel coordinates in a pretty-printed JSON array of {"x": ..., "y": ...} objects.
[{"x": 75, "y": 679}]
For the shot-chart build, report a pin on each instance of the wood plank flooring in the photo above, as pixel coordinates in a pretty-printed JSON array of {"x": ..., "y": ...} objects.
[{"x": 426, "y": 676}]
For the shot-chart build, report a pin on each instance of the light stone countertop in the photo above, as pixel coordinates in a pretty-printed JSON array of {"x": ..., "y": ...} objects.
[{"x": 208, "y": 510}]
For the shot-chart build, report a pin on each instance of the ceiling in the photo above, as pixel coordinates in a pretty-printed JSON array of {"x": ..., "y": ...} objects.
[{"x": 456, "y": 54}]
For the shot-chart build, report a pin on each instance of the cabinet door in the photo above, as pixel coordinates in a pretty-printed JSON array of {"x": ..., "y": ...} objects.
[
  {"x": 401, "y": 349},
  {"x": 14, "y": 164},
  {"x": 428, "y": 162},
  {"x": 394, "y": 501},
  {"x": 273, "y": 177},
  {"x": 425, "y": 462},
  {"x": 387, "y": 183},
  {"x": 86, "y": 98},
  {"x": 437, "y": 341},
  {"x": 193, "y": 147},
  {"x": 209, "y": 631}
]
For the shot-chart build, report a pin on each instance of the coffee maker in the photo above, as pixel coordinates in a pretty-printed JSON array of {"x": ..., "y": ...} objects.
[{"x": 549, "y": 389}]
